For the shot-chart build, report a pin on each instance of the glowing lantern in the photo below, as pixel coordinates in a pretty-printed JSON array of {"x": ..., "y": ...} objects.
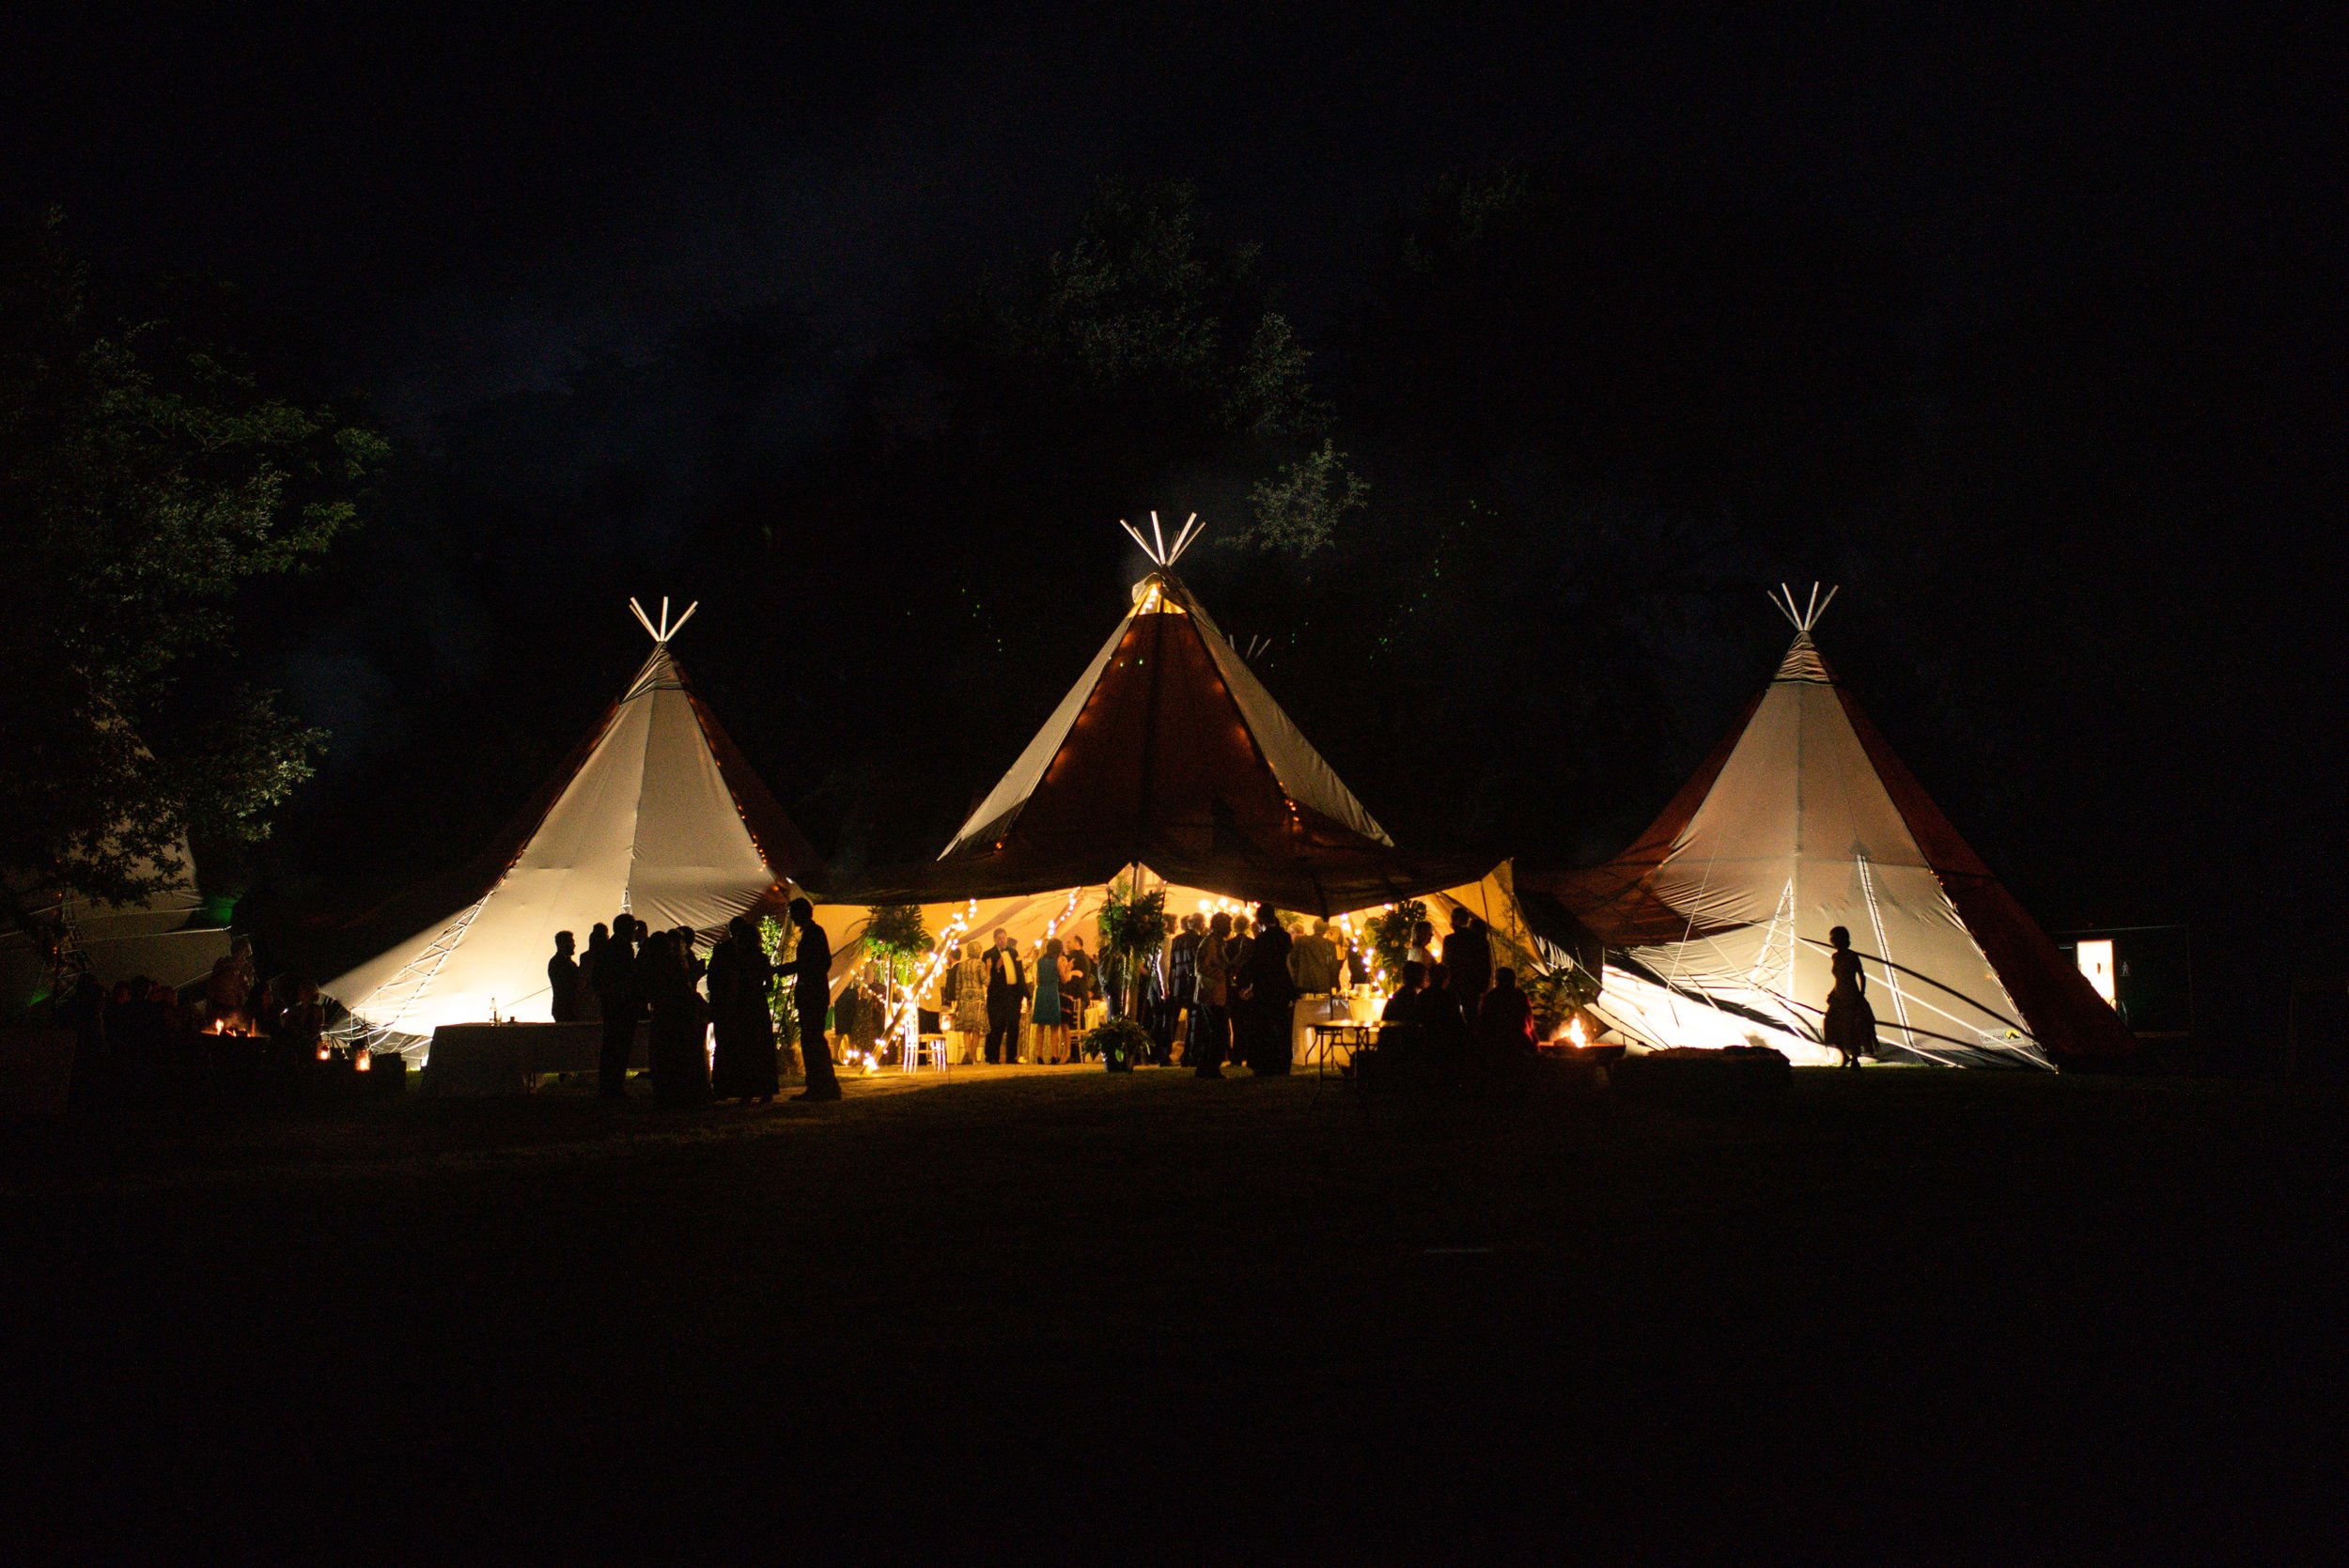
[{"x": 364, "y": 1062}]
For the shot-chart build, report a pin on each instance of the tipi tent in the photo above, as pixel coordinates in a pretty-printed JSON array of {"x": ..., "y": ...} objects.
[
  {"x": 1170, "y": 754},
  {"x": 656, "y": 813},
  {"x": 1716, "y": 920}
]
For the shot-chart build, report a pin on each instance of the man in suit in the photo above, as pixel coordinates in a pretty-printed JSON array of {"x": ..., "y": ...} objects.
[
  {"x": 1269, "y": 996},
  {"x": 563, "y": 979},
  {"x": 615, "y": 991},
  {"x": 810, "y": 993},
  {"x": 1006, "y": 988},
  {"x": 1468, "y": 961}
]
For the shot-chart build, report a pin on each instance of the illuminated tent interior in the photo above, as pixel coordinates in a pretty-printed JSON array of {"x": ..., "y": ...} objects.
[
  {"x": 656, "y": 812},
  {"x": 1715, "y": 921},
  {"x": 1169, "y": 754}
]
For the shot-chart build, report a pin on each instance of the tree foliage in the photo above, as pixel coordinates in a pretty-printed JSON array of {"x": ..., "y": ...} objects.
[{"x": 146, "y": 476}]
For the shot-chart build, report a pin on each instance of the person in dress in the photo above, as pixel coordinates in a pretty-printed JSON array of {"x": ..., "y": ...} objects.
[
  {"x": 1048, "y": 1035},
  {"x": 1211, "y": 1024},
  {"x": 1422, "y": 951},
  {"x": 968, "y": 976},
  {"x": 680, "y": 1064},
  {"x": 1851, "y": 1023},
  {"x": 741, "y": 979},
  {"x": 1077, "y": 991}
]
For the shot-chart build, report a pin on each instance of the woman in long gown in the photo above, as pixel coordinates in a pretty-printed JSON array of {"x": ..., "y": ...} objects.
[
  {"x": 969, "y": 978},
  {"x": 741, "y": 977},
  {"x": 680, "y": 1070},
  {"x": 1851, "y": 1023},
  {"x": 1044, "y": 1013}
]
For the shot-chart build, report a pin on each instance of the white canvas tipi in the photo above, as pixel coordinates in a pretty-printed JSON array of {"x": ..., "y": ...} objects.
[
  {"x": 656, "y": 815},
  {"x": 1716, "y": 918}
]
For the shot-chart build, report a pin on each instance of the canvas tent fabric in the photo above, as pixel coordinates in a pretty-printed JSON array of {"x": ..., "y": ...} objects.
[
  {"x": 1715, "y": 921},
  {"x": 1169, "y": 752},
  {"x": 163, "y": 937},
  {"x": 657, "y": 813}
]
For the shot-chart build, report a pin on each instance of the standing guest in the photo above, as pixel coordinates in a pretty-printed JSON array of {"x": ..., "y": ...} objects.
[
  {"x": 1850, "y": 1026},
  {"x": 1182, "y": 974},
  {"x": 1422, "y": 951},
  {"x": 1468, "y": 961},
  {"x": 228, "y": 990},
  {"x": 1006, "y": 988},
  {"x": 1317, "y": 971},
  {"x": 969, "y": 982},
  {"x": 563, "y": 979},
  {"x": 1046, "y": 1033},
  {"x": 741, "y": 977},
  {"x": 1504, "y": 1018},
  {"x": 811, "y": 970},
  {"x": 585, "y": 998},
  {"x": 1357, "y": 956},
  {"x": 302, "y": 1024},
  {"x": 680, "y": 1064},
  {"x": 1270, "y": 996},
  {"x": 1210, "y": 1024},
  {"x": 1079, "y": 991},
  {"x": 616, "y": 999},
  {"x": 1150, "y": 1005}
]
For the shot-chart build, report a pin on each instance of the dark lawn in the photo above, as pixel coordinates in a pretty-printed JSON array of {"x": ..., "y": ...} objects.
[{"x": 1913, "y": 1315}]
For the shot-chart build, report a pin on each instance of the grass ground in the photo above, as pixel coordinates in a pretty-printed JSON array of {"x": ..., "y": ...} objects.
[{"x": 1906, "y": 1315}]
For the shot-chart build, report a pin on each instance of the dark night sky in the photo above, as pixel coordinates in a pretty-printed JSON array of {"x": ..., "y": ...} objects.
[
  {"x": 463, "y": 204},
  {"x": 460, "y": 209}
]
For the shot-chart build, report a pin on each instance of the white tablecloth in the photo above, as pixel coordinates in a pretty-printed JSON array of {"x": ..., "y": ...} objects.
[{"x": 503, "y": 1058}]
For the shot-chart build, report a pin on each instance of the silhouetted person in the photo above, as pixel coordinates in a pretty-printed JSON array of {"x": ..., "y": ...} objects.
[
  {"x": 811, "y": 970},
  {"x": 1210, "y": 1023},
  {"x": 1269, "y": 996},
  {"x": 1182, "y": 978},
  {"x": 1851, "y": 1023},
  {"x": 1505, "y": 1019},
  {"x": 1468, "y": 961},
  {"x": 1006, "y": 988},
  {"x": 615, "y": 993},
  {"x": 563, "y": 979},
  {"x": 740, "y": 976},
  {"x": 679, "y": 1061},
  {"x": 589, "y": 1004}
]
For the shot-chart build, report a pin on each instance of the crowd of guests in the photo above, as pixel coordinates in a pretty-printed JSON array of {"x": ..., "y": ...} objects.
[
  {"x": 708, "y": 1023},
  {"x": 1455, "y": 1005},
  {"x": 1222, "y": 990},
  {"x": 139, "y": 1035}
]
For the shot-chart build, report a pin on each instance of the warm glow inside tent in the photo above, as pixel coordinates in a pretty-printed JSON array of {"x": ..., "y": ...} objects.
[
  {"x": 1716, "y": 919},
  {"x": 656, "y": 815},
  {"x": 1169, "y": 754}
]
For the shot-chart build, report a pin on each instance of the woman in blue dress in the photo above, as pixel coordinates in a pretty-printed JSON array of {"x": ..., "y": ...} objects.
[{"x": 1045, "y": 1012}]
